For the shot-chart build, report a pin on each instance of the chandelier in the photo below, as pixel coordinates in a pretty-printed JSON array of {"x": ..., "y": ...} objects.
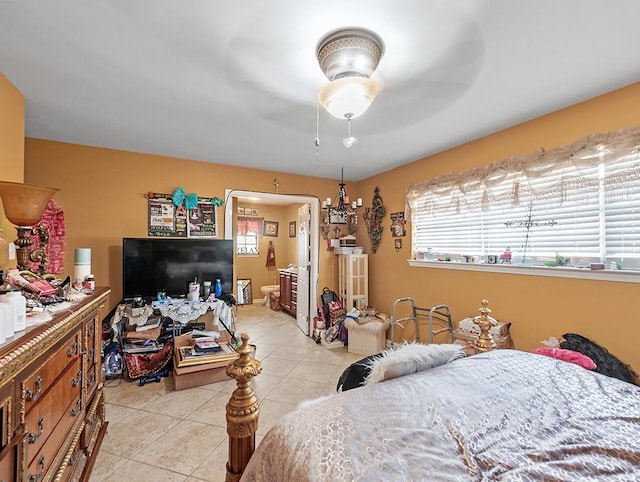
[
  {"x": 348, "y": 57},
  {"x": 340, "y": 209}
]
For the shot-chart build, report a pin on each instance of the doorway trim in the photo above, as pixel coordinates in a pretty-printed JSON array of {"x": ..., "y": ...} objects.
[{"x": 314, "y": 237}]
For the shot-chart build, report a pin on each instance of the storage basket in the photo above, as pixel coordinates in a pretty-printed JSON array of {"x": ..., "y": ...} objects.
[{"x": 367, "y": 338}]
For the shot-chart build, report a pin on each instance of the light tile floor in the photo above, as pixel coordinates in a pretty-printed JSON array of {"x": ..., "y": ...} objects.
[{"x": 158, "y": 434}]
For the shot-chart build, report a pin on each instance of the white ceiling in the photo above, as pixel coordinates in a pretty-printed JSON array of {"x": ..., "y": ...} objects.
[{"x": 235, "y": 82}]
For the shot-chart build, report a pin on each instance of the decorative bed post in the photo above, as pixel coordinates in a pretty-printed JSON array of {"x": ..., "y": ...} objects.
[
  {"x": 243, "y": 410},
  {"x": 484, "y": 342}
]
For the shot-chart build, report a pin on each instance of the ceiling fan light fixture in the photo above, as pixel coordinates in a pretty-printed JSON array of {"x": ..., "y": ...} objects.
[
  {"x": 348, "y": 57},
  {"x": 348, "y": 97}
]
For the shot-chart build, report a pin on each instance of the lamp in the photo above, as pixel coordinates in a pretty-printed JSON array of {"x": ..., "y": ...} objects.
[
  {"x": 23, "y": 206},
  {"x": 348, "y": 57},
  {"x": 340, "y": 210}
]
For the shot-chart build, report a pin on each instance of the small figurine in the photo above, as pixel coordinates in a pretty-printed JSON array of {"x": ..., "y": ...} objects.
[{"x": 505, "y": 258}]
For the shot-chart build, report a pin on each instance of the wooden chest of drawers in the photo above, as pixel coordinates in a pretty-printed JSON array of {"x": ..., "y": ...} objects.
[{"x": 52, "y": 408}]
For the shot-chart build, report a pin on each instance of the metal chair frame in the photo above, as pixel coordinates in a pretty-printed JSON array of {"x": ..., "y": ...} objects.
[{"x": 439, "y": 313}]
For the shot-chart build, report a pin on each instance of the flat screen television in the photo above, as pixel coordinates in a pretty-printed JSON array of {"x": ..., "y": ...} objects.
[{"x": 150, "y": 265}]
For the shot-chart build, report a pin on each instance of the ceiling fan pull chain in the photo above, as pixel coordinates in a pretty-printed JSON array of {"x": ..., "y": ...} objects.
[{"x": 317, "y": 139}]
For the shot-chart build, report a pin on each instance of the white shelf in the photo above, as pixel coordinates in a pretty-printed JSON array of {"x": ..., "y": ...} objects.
[{"x": 353, "y": 280}]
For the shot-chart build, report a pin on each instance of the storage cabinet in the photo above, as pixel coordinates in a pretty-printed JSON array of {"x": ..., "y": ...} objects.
[
  {"x": 353, "y": 280},
  {"x": 289, "y": 292},
  {"x": 52, "y": 407}
]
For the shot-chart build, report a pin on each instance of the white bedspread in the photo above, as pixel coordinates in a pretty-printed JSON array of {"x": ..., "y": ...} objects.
[{"x": 503, "y": 415}]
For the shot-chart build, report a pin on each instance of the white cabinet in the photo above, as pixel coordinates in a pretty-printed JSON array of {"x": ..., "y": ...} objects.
[{"x": 353, "y": 280}]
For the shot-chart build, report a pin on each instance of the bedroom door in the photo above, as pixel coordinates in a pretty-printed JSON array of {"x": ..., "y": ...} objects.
[{"x": 303, "y": 265}]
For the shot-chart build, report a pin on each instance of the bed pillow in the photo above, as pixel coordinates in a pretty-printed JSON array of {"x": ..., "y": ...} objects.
[
  {"x": 567, "y": 355},
  {"x": 411, "y": 358}
]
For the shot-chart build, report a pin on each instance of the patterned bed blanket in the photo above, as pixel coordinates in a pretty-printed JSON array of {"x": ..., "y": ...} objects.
[{"x": 503, "y": 415}]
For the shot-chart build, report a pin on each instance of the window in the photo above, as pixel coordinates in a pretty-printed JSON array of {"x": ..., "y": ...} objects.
[
  {"x": 574, "y": 205},
  {"x": 247, "y": 235}
]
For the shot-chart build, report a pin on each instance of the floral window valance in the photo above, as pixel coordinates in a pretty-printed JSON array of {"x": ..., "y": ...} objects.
[
  {"x": 484, "y": 187},
  {"x": 249, "y": 225}
]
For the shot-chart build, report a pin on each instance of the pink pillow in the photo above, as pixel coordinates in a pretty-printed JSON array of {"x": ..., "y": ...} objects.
[{"x": 567, "y": 355}]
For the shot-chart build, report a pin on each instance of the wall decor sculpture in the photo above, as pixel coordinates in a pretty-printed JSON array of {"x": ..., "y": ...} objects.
[{"x": 373, "y": 217}]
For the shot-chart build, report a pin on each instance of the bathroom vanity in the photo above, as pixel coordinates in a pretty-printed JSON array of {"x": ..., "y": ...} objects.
[{"x": 289, "y": 291}]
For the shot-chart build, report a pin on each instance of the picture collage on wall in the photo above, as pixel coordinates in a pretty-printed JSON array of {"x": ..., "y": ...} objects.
[{"x": 168, "y": 220}]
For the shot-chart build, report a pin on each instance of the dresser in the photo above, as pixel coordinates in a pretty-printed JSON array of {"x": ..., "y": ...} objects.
[
  {"x": 289, "y": 291},
  {"x": 52, "y": 406}
]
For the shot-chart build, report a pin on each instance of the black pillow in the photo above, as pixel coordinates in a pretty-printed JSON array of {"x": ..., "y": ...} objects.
[
  {"x": 353, "y": 376},
  {"x": 607, "y": 363}
]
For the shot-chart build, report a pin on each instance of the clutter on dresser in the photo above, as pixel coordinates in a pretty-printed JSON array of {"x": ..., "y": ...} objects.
[{"x": 38, "y": 297}]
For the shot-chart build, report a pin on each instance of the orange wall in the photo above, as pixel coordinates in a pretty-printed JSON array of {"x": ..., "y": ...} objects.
[
  {"x": 538, "y": 307},
  {"x": 11, "y": 132},
  {"x": 103, "y": 192}
]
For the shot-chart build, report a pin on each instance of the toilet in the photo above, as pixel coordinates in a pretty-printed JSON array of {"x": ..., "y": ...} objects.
[{"x": 267, "y": 290}]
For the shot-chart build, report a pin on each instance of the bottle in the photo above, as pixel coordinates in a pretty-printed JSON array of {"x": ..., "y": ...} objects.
[
  {"x": 90, "y": 283},
  {"x": 5, "y": 313},
  {"x": 207, "y": 289},
  {"x": 19, "y": 303},
  {"x": 9, "y": 317},
  {"x": 218, "y": 288}
]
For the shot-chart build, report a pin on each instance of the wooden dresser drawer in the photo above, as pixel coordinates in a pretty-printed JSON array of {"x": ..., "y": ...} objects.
[
  {"x": 94, "y": 423},
  {"x": 7, "y": 465},
  {"x": 93, "y": 340},
  {"x": 92, "y": 378},
  {"x": 73, "y": 463},
  {"x": 48, "y": 421},
  {"x": 50, "y": 451},
  {"x": 40, "y": 380}
]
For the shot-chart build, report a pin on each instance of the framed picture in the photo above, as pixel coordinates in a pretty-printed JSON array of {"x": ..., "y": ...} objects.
[
  {"x": 270, "y": 228},
  {"x": 292, "y": 229},
  {"x": 397, "y": 225}
]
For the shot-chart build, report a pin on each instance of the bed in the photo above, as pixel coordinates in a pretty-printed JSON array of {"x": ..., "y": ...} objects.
[{"x": 500, "y": 415}]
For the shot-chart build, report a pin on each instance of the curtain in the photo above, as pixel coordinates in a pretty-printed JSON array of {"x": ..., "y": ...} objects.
[
  {"x": 574, "y": 168},
  {"x": 249, "y": 225}
]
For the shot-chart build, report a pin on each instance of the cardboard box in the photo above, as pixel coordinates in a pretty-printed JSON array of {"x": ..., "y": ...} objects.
[{"x": 195, "y": 375}]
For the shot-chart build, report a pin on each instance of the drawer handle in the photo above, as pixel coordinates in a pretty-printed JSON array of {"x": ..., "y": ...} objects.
[
  {"x": 92, "y": 379},
  {"x": 31, "y": 396},
  {"x": 38, "y": 477},
  {"x": 73, "y": 351},
  {"x": 76, "y": 411},
  {"x": 33, "y": 438},
  {"x": 77, "y": 379}
]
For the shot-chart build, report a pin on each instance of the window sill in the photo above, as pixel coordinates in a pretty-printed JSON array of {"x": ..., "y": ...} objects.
[{"x": 557, "y": 272}]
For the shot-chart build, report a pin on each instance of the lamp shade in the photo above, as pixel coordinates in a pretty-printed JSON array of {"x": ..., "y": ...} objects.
[
  {"x": 24, "y": 204},
  {"x": 348, "y": 97}
]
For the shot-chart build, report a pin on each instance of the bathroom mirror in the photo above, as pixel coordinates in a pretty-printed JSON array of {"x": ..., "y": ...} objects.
[{"x": 244, "y": 292}]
